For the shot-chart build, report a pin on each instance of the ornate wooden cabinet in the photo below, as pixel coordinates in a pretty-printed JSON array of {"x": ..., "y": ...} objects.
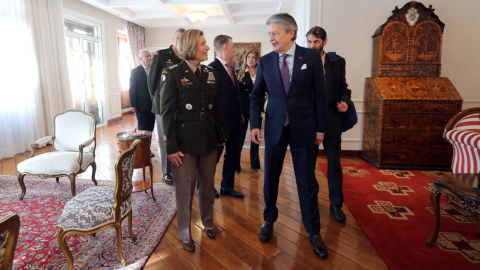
[{"x": 407, "y": 104}]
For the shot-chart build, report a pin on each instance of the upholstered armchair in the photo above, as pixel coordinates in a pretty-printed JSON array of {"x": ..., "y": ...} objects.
[
  {"x": 9, "y": 229},
  {"x": 98, "y": 208},
  {"x": 463, "y": 132},
  {"x": 74, "y": 143}
]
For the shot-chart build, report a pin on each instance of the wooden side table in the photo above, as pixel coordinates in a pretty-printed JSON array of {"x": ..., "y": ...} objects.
[
  {"x": 142, "y": 157},
  {"x": 459, "y": 189}
]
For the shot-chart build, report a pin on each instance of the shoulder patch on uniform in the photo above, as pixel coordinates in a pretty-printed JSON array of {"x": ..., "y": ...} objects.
[
  {"x": 164, "y": 72},
  {"x": 156, "y": 53}
]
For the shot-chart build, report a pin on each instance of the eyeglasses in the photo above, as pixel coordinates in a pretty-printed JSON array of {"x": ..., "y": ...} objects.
[{"x": 274, "y": 34}]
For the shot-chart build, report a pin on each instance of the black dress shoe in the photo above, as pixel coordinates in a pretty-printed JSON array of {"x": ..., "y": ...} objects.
[
  {"x": 152, "y": 155},
  {"x": 338, "y": 214},
  {"x": 266, "y": 231},
  {"x": 319, "y": 247},
  {"x": 238, "y": 169},
  {"x": 190, "y": 246},
  {"x": 168, "y": 179},
  {"x": 231, "y": 192},
  {"x": 257, "y": 169},
  {"x": 216, "y": 194},
  {"x": 210, "y": 232}
]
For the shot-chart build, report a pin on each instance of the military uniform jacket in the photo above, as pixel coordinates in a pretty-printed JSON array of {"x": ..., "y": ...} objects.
[
  {"x": 161, "y": 59},
  {"x": 189, "y": 108}
]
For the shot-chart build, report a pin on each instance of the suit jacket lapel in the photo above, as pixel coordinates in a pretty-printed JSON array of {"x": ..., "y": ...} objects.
[
  {"x": 224, "y": 71},
  {"x": 276, "y": 70},
  {"x": 328, "y": 70},
  {"x": 297, "y": 65},
  {"x": 142, "y": 73}
]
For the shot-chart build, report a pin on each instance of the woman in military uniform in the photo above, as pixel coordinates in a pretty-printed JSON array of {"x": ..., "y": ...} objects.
[{"x": 190, "y": 106}]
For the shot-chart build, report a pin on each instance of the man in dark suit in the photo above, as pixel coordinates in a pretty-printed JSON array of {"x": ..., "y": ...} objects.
[
  {"x": 140, "y": 100},
  {"x": 162, "y": 59},
  {"x": 229, "y": 88},
  {"x": 296, "y": 116},
  {"x": 338, "y": 98}
]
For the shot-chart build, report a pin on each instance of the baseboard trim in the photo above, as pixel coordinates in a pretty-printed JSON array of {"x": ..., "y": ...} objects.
[
  {"x": 343, "y": 153},
  {"x": 114, "y": 120}
]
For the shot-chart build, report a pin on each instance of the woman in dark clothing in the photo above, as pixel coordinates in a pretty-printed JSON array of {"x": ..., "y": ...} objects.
[{"x": 246, "y": 79}]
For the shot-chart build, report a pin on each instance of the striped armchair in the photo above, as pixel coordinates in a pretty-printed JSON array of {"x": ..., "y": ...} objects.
[{"x": 463, "y": 132}]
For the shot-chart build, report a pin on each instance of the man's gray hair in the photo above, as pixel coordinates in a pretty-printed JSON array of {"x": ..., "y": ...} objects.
[
  {"x": 285, "y": 21},
  {"x": 180, "y": 30},
  {"x": 140, "y": 52}
]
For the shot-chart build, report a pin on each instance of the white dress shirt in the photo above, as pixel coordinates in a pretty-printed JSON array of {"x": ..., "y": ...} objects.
[
  {"x": 289, "y": 60},
  {"x": 252, "y": 77},
  {"x": 193, "y": 67}
]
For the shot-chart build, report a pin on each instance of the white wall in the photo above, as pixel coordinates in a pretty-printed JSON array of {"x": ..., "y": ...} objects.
[
  {"x": 110, "y": 25},
  {"x": 156, "y": 38},
  {"x": 350, "y": 25}
]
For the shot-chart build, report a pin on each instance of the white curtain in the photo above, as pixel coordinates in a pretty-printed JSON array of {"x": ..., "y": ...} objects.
[{"x": 33, "y": 72}]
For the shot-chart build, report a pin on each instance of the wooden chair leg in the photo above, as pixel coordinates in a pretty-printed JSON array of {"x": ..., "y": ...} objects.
[
  {"x": 62, "y": 242},
  {"x": 130, "y": 231},
  {"x": 22, "y": 185},
  {"x": 72, "y": 183},
  {"x": 94, "y": 169},
  {"x": 143, "y": 173},
  {"x": 435, "y": 199},
  {"x": 118, "y": 229},
  {"x": 57, "y": 179}
]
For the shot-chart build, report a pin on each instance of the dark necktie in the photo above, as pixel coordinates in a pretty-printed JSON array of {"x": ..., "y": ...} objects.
[
  {"x": 197, "y": 72},
  {"x": 286, "y": 83}
]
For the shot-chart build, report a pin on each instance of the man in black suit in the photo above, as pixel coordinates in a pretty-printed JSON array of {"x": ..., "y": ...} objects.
[
  {"x": 296, "y": 116},
  {"x": 229, "y": 88},
  {"x": 163, "y": 59},
  {"x": 338, "y": 98},
  {"x": 140, "y": 100}
]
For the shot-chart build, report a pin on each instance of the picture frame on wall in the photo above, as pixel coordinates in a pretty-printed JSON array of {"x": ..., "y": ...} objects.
[{"x": 241, "y": 48}]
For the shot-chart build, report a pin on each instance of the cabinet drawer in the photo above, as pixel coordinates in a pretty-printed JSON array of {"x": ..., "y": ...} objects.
[
  {"x": 420, "y": 121},
  {"x": 394, "y": 156},
  {"x": 441, "y": 157},
  {"x": 418, "y": 157},
  {"x": 395, "y": 139},
  {"x": 435, "y": 107},
  {"x": 396, "y": 121},
  {"x": 405, "y": 107},
  {"x": 441, "y": 120}
]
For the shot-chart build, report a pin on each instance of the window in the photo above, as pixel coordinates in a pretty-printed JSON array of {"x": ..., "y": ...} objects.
[{"x": 85, "y": 64}]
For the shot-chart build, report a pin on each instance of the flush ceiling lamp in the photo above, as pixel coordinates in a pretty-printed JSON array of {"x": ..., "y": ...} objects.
[{"x": 197, "y": 16}]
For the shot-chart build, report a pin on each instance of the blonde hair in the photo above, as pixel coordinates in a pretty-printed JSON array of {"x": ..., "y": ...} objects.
[
  {"x": 241, "y": 73},
  {"x": 187, "y": 44}
]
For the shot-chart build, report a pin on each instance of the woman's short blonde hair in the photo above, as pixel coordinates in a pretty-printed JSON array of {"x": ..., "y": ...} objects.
[{"x": 187, "y": 44}]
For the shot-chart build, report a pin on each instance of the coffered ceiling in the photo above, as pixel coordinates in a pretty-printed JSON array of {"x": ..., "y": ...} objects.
[{"x": 173, "y": 13}]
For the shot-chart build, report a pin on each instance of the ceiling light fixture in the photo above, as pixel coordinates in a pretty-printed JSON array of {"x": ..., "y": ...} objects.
[{"x": 197, "y": 16}]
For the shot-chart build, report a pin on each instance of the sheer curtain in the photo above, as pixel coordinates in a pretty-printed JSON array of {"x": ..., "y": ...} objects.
[
  {"x": 33, "y": 77},
  {"x": 21, "y": 117}
]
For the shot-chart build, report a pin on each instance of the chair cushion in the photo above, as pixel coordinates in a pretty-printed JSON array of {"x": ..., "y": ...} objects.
[
  {"x": 91, "y": 209},
  {"x": 54, "y": 163}
]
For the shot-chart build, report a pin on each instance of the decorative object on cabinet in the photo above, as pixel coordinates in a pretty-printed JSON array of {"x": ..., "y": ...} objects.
[{"x": 407, "y": 104}]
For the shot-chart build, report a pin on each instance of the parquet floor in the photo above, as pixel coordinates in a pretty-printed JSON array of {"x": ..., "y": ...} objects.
[{"x": 238, "y": 221}]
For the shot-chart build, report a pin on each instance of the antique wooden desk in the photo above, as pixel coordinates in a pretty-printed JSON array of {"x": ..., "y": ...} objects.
[
  {"x": 142, "y": 157},
  {"x": 459, "y": 189},
  {"x": 407, "y": 104}
]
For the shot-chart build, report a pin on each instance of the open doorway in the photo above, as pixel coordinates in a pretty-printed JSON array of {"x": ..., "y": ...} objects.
[{"x": 124, "y": 71}]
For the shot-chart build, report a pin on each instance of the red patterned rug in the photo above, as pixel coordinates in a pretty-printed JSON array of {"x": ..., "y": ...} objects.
[
  {"x": 38, "y": 248},
  {"x": 394, "y": 210}
]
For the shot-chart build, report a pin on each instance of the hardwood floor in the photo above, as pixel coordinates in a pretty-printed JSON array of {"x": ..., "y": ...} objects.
[{"x": 238, "y": 221}]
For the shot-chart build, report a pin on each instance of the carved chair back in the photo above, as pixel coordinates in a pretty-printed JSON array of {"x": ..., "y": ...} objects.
[
  {"x": 124, "y": 175},
  {"x": 9, "y": 229},
  {"x": 72, "y": 128}
]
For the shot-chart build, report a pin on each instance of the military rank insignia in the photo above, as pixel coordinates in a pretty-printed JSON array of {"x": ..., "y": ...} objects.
[
  {"x": 186, "y": 82},
  {"x": 189, "y": 106},
  {"x": 211, "y": 77},
  {"x": 210, "y": 106}
]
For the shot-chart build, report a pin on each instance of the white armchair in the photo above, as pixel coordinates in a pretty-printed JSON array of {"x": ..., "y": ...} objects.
[{"x": 74, "y": 143}]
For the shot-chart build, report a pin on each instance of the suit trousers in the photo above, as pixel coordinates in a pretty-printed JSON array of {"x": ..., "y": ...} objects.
[
  {"x": 166, "y": 164},
  {"x": 146, "y": 120},
  {"x": 333, "y": 147},
  {"x": 307, "y": 186},
  {"x": 200, "y": 170},
  {"x": 231, "y": 158},
  {"x": 254, "y": 159}
]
